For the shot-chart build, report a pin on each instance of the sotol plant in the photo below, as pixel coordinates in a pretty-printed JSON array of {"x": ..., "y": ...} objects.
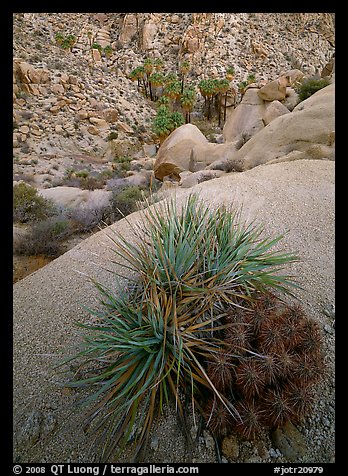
[{"x": 151, "y": 344}]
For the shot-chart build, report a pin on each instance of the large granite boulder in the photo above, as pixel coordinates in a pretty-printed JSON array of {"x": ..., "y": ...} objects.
[
  {"x": 307, "y": 132},
  {"x": 174, "y": 155},
  {"x": 247, "y": 119},
  {"x": 203, "y": 155},
  {"x": 274, "y": 109},
  {"x": 274, "y": 90},
  {"x": 72, "y": 197}
]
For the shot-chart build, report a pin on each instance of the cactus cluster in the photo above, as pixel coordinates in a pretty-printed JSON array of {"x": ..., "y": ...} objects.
[{"x": 267, "y": 371}]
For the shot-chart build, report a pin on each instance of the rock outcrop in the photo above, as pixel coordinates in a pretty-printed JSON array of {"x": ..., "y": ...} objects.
[
  {"x": 308, "y": 132},
  {"x": 174, "y": 155},
  {"x": 257, "y": 132},
  {"x": 72, "y": 197},
  {"x": 274, "y": 110},
  {"x": 247, "y": 119},
  {"x": 56, "y": 86}
]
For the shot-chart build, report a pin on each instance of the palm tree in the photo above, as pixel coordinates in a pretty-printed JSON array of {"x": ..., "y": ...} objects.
[
  {"x": 187, "y": 101},
  {"x": 170, "y": 77},
  {"x": 176, "y": 120},
  {"x": 184, "y": 69},
  {"x": 222, "y": 87},
  {"x": 136, "y": 75},
  {"x": 156, "y": 80},
  {"x": 141, "y": 77},
  {"x": 159, "y": 63},
  {"x": 173, "y": 91},
  {"x": 108, "y": 51},
  {"x": 165, "y": 122},
  {"x": 148, "y": 68},
  {"x": 163, "y": 101},
  {"x": 242, "y": 87},
  {"x": 230, "y": 72},
  {"x": 59, "y": 37},
  {"x": 251, "y": 78},
  {"x": 207, "y": 89},
  {"x": 162, "y": 125}
]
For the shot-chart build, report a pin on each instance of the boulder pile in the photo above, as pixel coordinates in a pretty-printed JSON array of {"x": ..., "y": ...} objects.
[{"x": 258, "y": 131}]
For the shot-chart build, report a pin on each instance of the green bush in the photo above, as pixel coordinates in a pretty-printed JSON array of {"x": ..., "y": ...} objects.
[
  {"x": 65, "y": 42},
  {"x": 113, "y": 135},
  {"x": 45, "y": 238},
  {"x": 92, "y": 183},
  {"x": 82, "y": 173},
  {"x": 89, "y": 215},
  {"x": 152, "y": 343},
  {"x": 28, "y": 205},
  {"x": 108, "y": 51},
  {"x": 310, "y": 86},
  {"x": 166, "y": 122},
  {"x": 97, "y": 46},
  {"x": 122, "y": 159},
  {"x": 124, "y": 202}
]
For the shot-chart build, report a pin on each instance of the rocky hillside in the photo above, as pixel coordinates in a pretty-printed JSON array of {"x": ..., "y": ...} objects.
[{"x": 78, "y": 104}]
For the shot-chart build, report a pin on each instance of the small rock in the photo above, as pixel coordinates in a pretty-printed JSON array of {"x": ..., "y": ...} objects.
[
  {"x": 121, "y": 126},
  {"x": 150, "y": 150},
  {"x": 329, "y": 311},
  {"x": 328, "y": 329},
  {"x": 290, "y": 442},
  {"x": 230, "y": 447},
  {"x": 24, "y": 129},
  {"x": 37, "y": 426},
  {"x": 97, "y": 122},
  {"x": 59, "y": 129},
  {"x": 93, "y": 130},
  {"x": 154, "y": 443},
  {"x": 30, "y": 431},
  {"x": 253, "y": 459},
  {"x": 48, "y": 424},
  {"x": 274, "y": 453},
  {"x": 209, "y": 440}
]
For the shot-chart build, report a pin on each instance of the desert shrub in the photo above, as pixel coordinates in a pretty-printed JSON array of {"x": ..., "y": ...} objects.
[
  {"x": 112, "y": 136},
  {"x": 310, "y": 86},
  {"x": 45, "y": 238},
  {"x": 116, "y": 183},
  {"x": 92, "y": 183},
  {"x": 89, "y": 215},
  {"x": 151, "y": 341},
  {"x": 97, "y": 46},
  {"x": 124, "y": 201},
  {"x": 166, "y": 121},
  {"x": 122, "y": 159},
  {"x": 28, "y": 205},
  {"x": 108, "y": 51},
  {"x": 106, "y": 174},
  {"x": 65, "y": 41},
  {"x": 82, "y": 173},
  {"x": 68, "y": 182}
]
